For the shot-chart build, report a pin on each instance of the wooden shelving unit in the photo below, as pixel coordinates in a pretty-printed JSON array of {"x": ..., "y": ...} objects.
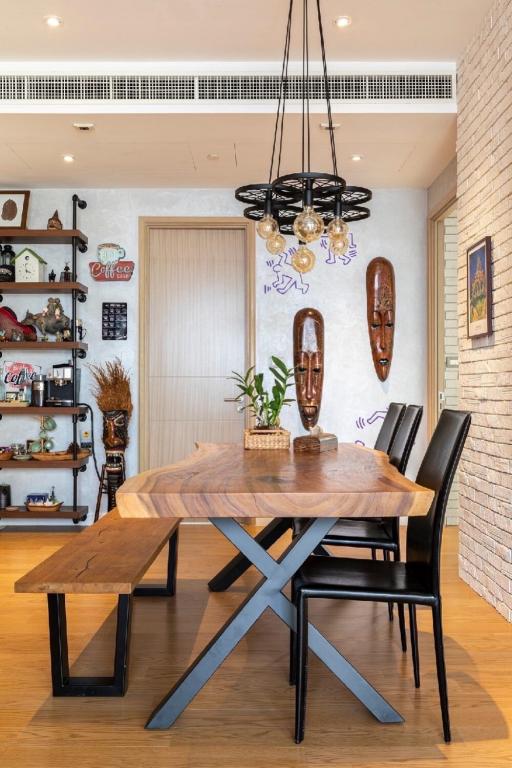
[
  {"x": 68, "y": 345},
  {"x": 30, "y": 410},
  {"x": 43, "y": 236},
  {"x": 29, "y": 288},
  {"x": 35, "y": 464},
  {"x": 64, "y": 513},
  {"x": 77, "y": 349}
]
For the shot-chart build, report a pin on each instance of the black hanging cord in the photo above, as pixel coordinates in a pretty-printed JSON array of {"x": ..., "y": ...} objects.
[
  {"x": 303, "y": 82},
  {"x": 308, "y": 87},
  {"x": 285, "y": 88},
  {"x": 327, "y": 90},
  {"x": 86, "y": 405},
  {"x": 282, "y": 95}
]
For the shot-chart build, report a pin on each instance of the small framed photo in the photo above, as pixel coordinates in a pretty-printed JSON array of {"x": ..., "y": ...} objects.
[
  {"x": 13, "y": 209},
  {"x": 479, "y": 294},
  {"x": 11, "y": 397}
]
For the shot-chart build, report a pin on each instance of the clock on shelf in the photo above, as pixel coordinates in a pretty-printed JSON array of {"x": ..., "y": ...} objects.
[{"x": 29, "y": 267}]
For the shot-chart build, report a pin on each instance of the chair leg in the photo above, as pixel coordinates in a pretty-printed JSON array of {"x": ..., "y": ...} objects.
[
  {"x": 301, "y": 667},
  {"x": 414, "y": 644},
  {"x": 374, "y": 553},
  {"x": 441, "y": 669},
  {"x": 293, "y": 641},
  {"x": 385, "y": 553},
  {"x": 401, "y": 622}
]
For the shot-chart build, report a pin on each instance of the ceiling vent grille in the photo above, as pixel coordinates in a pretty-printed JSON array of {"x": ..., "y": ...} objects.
[{"x": 222, "y": 87}]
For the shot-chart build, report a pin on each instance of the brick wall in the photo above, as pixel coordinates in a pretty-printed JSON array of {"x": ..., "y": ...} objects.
[{"x": 484, "y": 161}]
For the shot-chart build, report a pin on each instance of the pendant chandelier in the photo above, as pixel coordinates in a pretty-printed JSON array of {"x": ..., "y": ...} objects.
[{"x": 307, "y": 204}]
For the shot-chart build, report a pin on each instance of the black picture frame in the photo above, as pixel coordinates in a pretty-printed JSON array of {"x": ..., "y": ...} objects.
[{"x": 479, "y": 289}]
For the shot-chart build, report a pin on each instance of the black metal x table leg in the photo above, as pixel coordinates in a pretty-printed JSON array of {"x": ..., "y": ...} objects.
[{"x": 267, "y": 594}]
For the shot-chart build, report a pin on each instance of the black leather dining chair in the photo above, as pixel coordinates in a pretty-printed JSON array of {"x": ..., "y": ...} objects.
[
  {"x": 389, "y": 426},
  {"x": 415, "y": 582},
  {"x": 378, "y": 533}
]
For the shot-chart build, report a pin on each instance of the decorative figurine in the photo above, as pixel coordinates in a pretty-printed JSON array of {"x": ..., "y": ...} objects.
[
  {"x": 50, "y": 320},
  {"x": 66, "y": 334},
  {"x": 65, "y": 275},
  {"x": 308, "y": 359},
  {"x": 380, "y": 307},
  {"x": 52, "y": 276},
  {"x": 13, "y": 329},
  {"x": 54, "y": 222}
]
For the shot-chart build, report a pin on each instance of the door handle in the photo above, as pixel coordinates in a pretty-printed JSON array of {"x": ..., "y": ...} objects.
[{"x": 231, "y": 399}]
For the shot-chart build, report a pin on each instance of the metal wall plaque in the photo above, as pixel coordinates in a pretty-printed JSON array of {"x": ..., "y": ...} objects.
[{"x": 114, "y": 320}]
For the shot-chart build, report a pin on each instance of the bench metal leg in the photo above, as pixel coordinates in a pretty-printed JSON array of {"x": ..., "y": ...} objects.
[
  {"x": 240, "y": 564},
  {"x": 62, "y": 682},
  {"x": 156, "y": 590}
]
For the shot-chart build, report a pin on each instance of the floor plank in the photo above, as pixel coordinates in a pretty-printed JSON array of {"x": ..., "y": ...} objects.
[{"x": 244, "y": 716}]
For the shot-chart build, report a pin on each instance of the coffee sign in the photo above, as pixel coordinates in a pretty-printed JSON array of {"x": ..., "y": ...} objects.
[{"x": 111, "y": 264}]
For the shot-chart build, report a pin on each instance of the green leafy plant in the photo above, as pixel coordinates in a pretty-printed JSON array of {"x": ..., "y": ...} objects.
[{"x": 264, "y": 407}]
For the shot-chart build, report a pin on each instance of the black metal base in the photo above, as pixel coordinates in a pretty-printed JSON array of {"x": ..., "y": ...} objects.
[
  {"x": 63, "y": 684},
  {"x": 239, "y": 564}
]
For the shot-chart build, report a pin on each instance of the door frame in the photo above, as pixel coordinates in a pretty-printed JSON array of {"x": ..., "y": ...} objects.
[
  {"x": 435, "y": 316},
  {"x": 146, "y": 224}
]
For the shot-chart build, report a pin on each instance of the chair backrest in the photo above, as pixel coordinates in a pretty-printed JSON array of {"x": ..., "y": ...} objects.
[
  {"x": 389, "y": 426},
  {"x": 437, "y": 469},
  {"x": 405, "y": 437}
]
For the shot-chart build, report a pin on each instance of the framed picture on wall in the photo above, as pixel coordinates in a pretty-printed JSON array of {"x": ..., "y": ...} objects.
[
  {"x": 13, "y": 209},
  {"x": 479, "y": 293}
]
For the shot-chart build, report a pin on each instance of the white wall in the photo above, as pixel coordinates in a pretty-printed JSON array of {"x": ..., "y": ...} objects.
[{"x": 352, "y": 392}]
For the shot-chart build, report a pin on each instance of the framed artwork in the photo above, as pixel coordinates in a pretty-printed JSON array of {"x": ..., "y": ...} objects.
[
  {"x": 479, "y": 293},
  {"x": 13, "y": 209}
]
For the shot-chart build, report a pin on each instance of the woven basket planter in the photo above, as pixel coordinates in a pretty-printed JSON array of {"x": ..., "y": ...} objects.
[{"x": 265, "y": 439}]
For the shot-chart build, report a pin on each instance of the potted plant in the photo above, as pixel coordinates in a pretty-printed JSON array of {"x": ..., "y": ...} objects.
[{"x": 264, "y": 406}]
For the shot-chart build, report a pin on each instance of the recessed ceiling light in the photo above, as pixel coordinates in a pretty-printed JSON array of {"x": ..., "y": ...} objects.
[
  {"x": 53, "y": 21},
  {"x": 83, "y": 126},
  {"x": 357, "y": 158},
  {"x": 326, "y": 126},
  {"x": 68, "y": 158},
  {"x": 343, "y": 21},
  {"x": 212, "y": 156}
]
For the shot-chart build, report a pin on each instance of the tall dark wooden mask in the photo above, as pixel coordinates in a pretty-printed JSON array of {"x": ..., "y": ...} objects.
[
  {"x": 380, "y": 308},
  {"x": 308, "y": 361}
]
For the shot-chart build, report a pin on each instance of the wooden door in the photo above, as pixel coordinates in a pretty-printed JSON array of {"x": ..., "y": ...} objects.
[{"x": 195, "y": 335}]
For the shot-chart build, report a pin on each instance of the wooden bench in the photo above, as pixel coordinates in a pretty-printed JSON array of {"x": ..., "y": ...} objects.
[{"x": 109, "y": 557}]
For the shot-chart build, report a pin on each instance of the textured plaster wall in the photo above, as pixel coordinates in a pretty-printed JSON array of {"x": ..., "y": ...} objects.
[{"x": 354, "y": 399}]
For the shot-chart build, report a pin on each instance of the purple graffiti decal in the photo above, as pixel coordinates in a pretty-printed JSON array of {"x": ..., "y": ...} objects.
[
  {"x": 286, "y": 278},
  {"x": 346, "y": 258},
  {"x": 364, "y": 423}
]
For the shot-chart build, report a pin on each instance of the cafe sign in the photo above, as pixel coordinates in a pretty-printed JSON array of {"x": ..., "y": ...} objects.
[{"x": 111, "y": 264}]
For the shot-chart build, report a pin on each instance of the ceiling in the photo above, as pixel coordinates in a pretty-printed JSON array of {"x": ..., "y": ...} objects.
[
  {"x": 241, "y": 30},
  {"x": 401, "y": 150}
]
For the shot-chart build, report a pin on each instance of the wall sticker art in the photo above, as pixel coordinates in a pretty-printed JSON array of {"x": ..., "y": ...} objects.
[
  {"x": 363, "y": 422},
  {"x": 111, "y": 264},
  {"x": 286, "y": 278},
  {"x": 347, "y": 257}
]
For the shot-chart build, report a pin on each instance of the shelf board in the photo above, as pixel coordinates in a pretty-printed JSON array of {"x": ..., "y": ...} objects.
[
  {"x": 65, "y": 512},
  {"x": 32, "y": 410},
  {"x": 50, "y": 288},
  {"x": 41, "y": 236},
  {"x": 35, "y": 464},
  {"x": 43, "y": 345}
]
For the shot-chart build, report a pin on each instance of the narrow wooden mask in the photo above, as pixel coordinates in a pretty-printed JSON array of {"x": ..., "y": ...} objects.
[
  {"x": 308, "y": 361},
  {"x": 380, "y": 308}
]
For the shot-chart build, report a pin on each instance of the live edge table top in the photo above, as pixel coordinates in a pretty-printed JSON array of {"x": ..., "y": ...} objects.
[{"x": 224, "y": 480}]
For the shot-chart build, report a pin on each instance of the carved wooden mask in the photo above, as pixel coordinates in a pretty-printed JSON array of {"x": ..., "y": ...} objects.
[
  {"x": 308, "y": 361},
  {"x": 380, "y": 308}
]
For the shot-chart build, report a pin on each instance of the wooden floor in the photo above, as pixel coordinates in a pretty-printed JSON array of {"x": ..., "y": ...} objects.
[{"x": 244, "y": 716}]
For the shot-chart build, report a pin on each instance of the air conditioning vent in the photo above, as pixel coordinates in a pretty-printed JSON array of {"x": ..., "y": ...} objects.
[{"x": 222, "y": 87}]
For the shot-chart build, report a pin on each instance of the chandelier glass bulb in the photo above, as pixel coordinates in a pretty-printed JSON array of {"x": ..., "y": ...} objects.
[
  {"x": 276, "y": 243},
  {"x": 309, "y": 225},
  {"x": 337, "y": 228},
  {"x": 338, "y": 245},
  {"x": 303, "y": 260},
  {"x": 266, "y": 226}
]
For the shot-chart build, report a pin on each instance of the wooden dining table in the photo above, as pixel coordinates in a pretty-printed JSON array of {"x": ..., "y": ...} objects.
[{"x": 224, "y": 483}]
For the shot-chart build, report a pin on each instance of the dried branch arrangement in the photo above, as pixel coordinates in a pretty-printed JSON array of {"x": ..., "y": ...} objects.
[{"x": 112, "y": 386}]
